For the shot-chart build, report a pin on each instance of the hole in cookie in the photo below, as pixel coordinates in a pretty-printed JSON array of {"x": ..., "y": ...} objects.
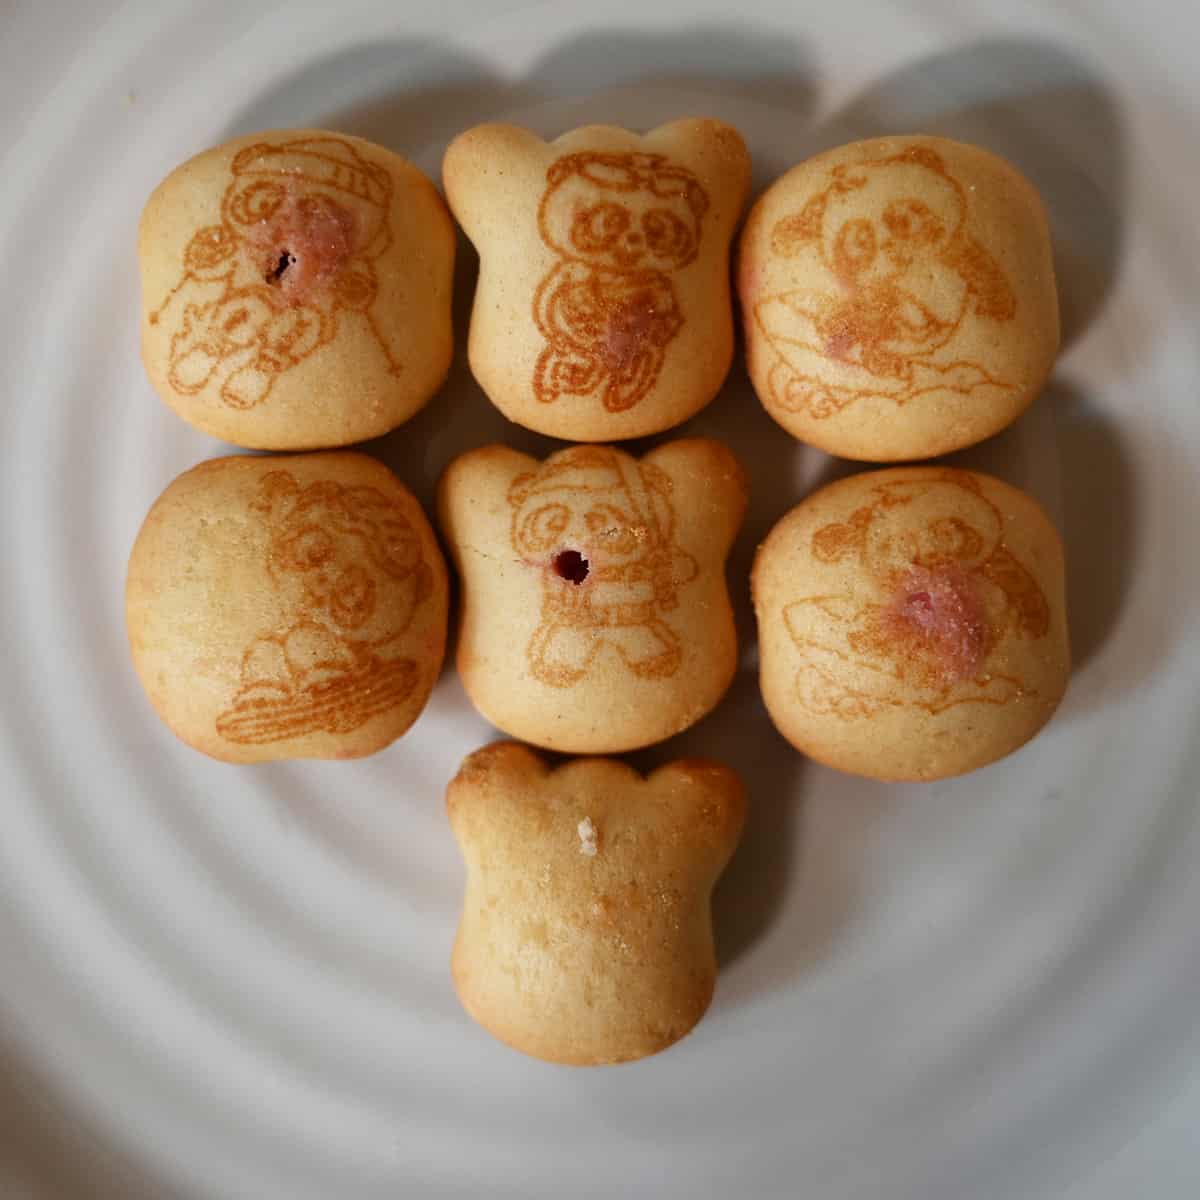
[
  {"x": 276, "y": 273},
  {"x": 571, "y": 566}
]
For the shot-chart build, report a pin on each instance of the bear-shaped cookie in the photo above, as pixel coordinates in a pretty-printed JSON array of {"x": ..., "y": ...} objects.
[
  {"x": 595, "y": 614},
  {"x": 898, "y": 298},
  {"x": 602, "y": 310},
  {"x": 912, "y": 622},
  {"x": 290, "y": 607},
  {"x": 296, "y": 290},
  {"x": 586, "y": 932}
]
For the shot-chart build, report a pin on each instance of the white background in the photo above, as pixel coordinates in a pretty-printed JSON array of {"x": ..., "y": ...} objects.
[{"x": 221, "y": 982}]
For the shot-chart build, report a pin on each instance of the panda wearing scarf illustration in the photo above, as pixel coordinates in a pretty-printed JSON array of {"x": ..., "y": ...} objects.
[{"x": 602, "y": 527}]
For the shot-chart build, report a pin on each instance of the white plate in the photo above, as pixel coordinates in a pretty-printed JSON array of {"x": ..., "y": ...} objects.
[{"x": 233, "y": 982}]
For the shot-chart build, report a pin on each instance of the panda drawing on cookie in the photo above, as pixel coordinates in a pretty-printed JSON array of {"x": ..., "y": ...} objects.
[
  {"x": 894, "y": 273},
  {"x": 598, "y": 516},
  {"x": 622, "y": 224},
  {"x": 347, "y": 566},
  {"x": 301, "y": 225},
  {"x": 940, "y": 600}
]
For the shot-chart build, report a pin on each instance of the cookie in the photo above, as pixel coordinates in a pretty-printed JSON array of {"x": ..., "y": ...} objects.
[
  {"x": 595, "y": 615},
  {"x": 290, "y": 607},
  {"x": 602, "y": 310},
  {"x": 586, "y": 932},
  {"x": 912, "y": 622},
  {"x": 898, "y": 298},
  {"x": 296, "y": 290}
]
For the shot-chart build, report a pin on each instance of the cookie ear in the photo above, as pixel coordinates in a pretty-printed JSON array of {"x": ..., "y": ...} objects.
[
  {"x": 484, "y": 172},
  {"x": 472, "y": 494},
  {"x": 709, "y": 807},
  {"x": 493, "y": 771},
  {"x": 706, "y": 490},
  {"x": 502, "y": 764}
]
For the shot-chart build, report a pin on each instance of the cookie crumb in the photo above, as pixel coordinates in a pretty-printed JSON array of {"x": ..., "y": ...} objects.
[{"x": 587, "y": 838}]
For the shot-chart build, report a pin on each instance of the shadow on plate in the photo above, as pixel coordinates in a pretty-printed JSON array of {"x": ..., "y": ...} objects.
[
  {"x": 406, "y": 94},
  {"x": 416, "y": 94},
  {"x": 1099, "y": 518},
  {"x": 722, "y": 60},
  {"x": 740, "y": 734},
  {"x": 48, "y": 1151},
  {"x": 1105, "y": 530}
]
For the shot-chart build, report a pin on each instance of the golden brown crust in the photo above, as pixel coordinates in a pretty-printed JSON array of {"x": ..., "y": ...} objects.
[
  {"x": 898, "y": 297},
  {"x": 603, "y": 309},
  {"x": 296, "y": 289},
  {"x": 586, "y": 934},
  {"x": 912, "y": 622},
  {"x": 288, "y": 607},
  {"x": 595, "y": 615}
]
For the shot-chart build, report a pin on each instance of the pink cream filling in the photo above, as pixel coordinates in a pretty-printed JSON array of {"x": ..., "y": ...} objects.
[
  {"x": 939, "y": 609},
  {"x": 839, "y": 345},
  {"x": 302, "y": 245},
  {"x": 627, "y": 333}
]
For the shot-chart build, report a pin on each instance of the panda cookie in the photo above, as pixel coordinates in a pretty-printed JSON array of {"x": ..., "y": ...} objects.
[
  {"x": 296, "y": 290},
  {"x": 602, "y": 310},
  {"x": 290, "y": 607},
  {"x": 912, "y": 622},
  {"x": 898, "y": 297},
  {"x": 595, "y": 615},
  {"x": 586, "y": 932}
]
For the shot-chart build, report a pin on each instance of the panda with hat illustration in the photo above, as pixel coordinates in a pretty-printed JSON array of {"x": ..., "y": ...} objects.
[
  {"x": 302, "y": 224},
  {"x": 602, "y": 524}
]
